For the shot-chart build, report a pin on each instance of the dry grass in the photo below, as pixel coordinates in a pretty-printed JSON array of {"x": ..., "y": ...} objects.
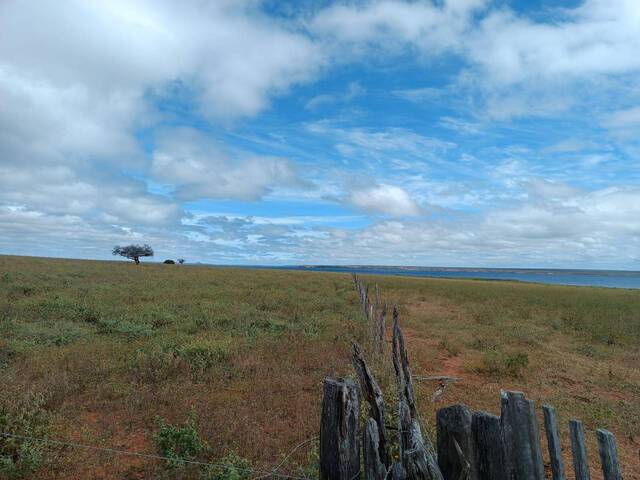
[{"x": 108, "y": 347}]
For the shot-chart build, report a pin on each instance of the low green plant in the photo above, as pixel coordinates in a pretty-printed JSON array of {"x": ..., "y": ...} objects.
[
  {"x": 231, "y": 467},
  {"x": 178, "y": 443},
  {"x": 500, "y": 364},
  {"x": 125, "y": 328},
  {"x": 20, "y": 456},
  {"x": 201, "y": 355}
]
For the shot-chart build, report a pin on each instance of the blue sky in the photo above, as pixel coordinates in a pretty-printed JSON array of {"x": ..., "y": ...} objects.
[{"x": 450, "y": 132}]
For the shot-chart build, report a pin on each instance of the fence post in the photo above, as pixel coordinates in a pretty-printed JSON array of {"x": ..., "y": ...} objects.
[
  {"x": 398, "y": 472},
  {"x": 487, "y": 445},
  {"x": 553, "y": 442},
  {"x": 339, "y": 438},
  {"x": 608, "y": 455},
  {"x": 579, "y": 449},
  {"x": 374, "y": 469},
  {"x": 454, "y": 425},
  {"x": 373, "y": 395},
  {"x": 521, "y": 438}
]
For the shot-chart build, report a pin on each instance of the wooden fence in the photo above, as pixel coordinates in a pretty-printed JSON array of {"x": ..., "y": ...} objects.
[{"x": 470, "y": 445}]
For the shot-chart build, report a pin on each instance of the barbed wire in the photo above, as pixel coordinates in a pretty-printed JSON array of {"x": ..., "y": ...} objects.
[{"x": 261, "y": 473}]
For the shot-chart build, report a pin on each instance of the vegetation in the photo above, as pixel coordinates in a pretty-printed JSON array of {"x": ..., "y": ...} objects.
[
  {"x": 224, "y": 365},
  {"x": 134, "y": 252}
]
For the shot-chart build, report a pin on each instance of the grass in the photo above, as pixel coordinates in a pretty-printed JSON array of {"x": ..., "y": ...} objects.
[{"x": 97, "y": 352}]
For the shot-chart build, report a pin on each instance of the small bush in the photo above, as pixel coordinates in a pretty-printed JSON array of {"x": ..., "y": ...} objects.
[
  {"x": 203, "y": 354},
  {"x": 231, "y": 467},
  {"x": 178, "y": 442},
  {"x": 156, "y": 366},
  {"x": 125, "y": 328},
  {"x": 20, "y": 457},
  {"x": 265, "y": 325},
  {"x": 500, "y": 364}
]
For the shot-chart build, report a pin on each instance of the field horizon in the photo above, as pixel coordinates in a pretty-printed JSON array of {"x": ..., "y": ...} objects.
[{"x": 122, "y": 356}]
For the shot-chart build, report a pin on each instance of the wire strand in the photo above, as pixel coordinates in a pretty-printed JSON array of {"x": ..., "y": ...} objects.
[{"x": 263, "y": 473}]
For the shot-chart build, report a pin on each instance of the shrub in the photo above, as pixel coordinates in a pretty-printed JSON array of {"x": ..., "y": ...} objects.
[
  {"x": 178, "y": 442},
  {"x": 203, "y": 354},
  {"x": 499, "y": 364},
  {"x": 169, "y": 262},
  {"x": 20, "y": 457},
  {"x": 124, "y": 327},
  {"x": 231, "y": 467}
]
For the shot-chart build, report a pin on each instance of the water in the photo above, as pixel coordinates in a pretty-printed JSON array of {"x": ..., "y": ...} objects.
[{"x": 591, "y": 278}]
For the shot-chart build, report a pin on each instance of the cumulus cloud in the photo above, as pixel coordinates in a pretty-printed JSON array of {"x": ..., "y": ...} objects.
[
  {"x": 198, "y": 167},
  {"x": 387, "y": 199},
  {"x": 75, "y": 92}
]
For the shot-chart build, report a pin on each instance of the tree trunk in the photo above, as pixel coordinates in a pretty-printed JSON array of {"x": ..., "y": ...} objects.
[{"x": 137, "y": 260}]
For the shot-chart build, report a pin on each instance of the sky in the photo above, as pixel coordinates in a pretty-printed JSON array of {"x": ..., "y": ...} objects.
[{"x": 487, "y": 133}]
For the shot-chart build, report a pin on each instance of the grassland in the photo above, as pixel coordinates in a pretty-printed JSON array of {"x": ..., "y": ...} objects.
[{"x": 150, "y": 358}]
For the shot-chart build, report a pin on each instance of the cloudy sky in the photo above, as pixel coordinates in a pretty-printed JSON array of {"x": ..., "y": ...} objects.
[{"x": 435, "y": 132}]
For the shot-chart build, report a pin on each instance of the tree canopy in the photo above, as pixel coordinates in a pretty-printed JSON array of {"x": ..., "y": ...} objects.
[{"x": 133, "y": 252}]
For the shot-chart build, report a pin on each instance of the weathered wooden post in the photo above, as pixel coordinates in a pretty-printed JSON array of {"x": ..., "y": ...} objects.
[
  {"x": 521, "y": 438},
  {"x": 487, "y": 445},
  {"x": 373, "y": 394},
  {"x": 398, "y": 472},
  {"x": 374, "y": 469},
  {"x": 454, "y": 432},
  {"x": 579, "y": 449},
  {"x": 339, "y": 436},
  {"x": 417, "y": 454},
  {"x": 608, "y": 455},
  {"x": 553, "y": 442}
]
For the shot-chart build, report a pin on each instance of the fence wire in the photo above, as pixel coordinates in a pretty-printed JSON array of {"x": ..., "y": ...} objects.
[{"x": 260, "y": 474}]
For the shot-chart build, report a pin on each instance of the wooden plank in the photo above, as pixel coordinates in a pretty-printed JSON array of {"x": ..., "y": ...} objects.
[
  {"x": 339, "y": 437},
  {"x": 454, "y": 433},
  {"x": 608, "y": 455},
  {"x": 521, "y": 438},
  {"x": 579, "y": 449},
  {"x": 373, "y": 394},
  {"x": 553, "y": 442},
  {"x": 489, "y": 464},
  {"x": 374, "y": 469}
]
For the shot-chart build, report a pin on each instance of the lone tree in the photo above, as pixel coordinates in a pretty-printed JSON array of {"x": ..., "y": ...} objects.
[
  {"x": 181, "y": 261},
  {"x": 133, "y": 252}
]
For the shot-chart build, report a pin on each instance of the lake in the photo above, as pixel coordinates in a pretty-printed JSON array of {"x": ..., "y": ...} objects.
[{"x": 591, "y": 278}]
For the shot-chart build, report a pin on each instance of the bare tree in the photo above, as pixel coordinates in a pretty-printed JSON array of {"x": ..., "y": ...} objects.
[{"x": 133, "y": 252}]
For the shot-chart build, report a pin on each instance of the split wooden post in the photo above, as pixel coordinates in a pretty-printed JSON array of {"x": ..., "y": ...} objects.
[
  {"x": 374, "y": 469},
  {"x": 398, "y": 472},
  {"x": 608, "y": 455},
  {"x": 339, "y": 438},
  {"x": 521, "y": 438},
  {"x": 454, "y": 430},
  {"x": 417, "y": 453},
  {"x": 579, "y": 449},
  {"x": 553, "y": 442},
  {"x": 487, "y": 445},
  {"x": 373, "y": 394}
]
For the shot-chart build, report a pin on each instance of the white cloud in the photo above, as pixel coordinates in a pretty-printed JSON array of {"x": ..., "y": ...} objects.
[
  {"x": 75, "y": 78},
  {"x": 354, "y": 89},
  {"x": 390, "y": 25},
  {"x": 387, "y": 199},
  {"x": 624, "y": 123},
  {"x": 200, "y": 168}
]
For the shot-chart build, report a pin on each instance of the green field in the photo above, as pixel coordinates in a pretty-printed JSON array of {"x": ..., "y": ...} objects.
[{"x": 226, "y": 365}]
